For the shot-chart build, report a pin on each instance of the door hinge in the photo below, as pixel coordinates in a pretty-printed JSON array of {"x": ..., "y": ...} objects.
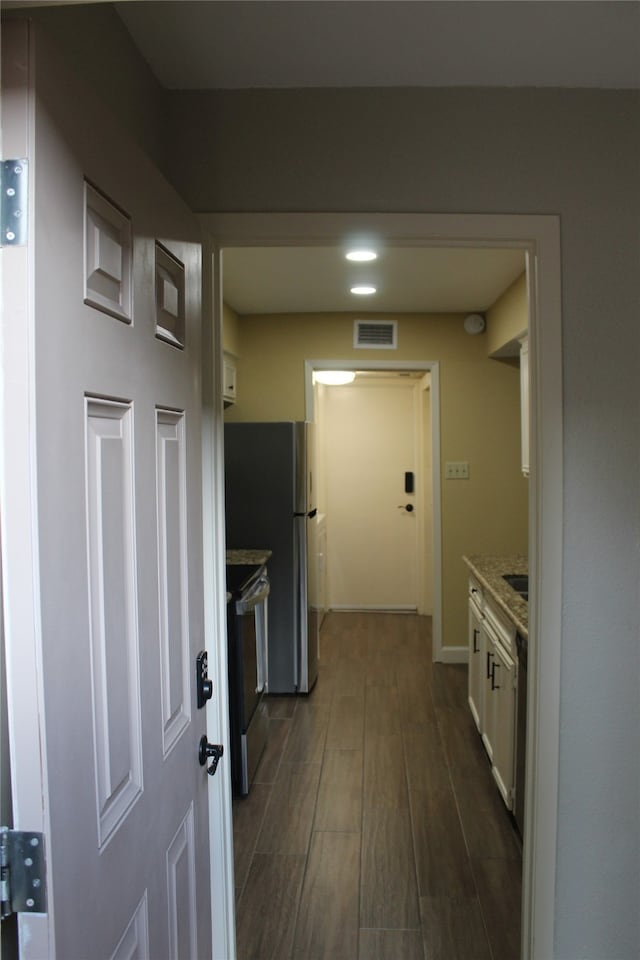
[
  {"x": 22, "y": 872},
  {"x": 14, "y": 182}
]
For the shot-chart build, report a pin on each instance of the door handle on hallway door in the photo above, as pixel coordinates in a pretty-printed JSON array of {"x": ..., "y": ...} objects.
[
  {"x": 406, "y": 506},
  {"x": 206, "y": 751}
]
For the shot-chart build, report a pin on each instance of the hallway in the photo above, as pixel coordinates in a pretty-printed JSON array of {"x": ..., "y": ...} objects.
[{"x": 373, "y": 830}]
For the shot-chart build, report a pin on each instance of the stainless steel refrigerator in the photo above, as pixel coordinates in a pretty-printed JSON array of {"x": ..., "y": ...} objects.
[{"x": 270, "y": 504}]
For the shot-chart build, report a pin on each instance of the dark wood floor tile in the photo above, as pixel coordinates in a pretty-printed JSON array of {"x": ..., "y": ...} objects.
[
  {"x": 266, "y": 914},
  {"x": 410, "y": 637},
  {"x": 424, "y": 756},
  {"x": 382, "y": 709},
  {"x": 248, "y": 814},
  {"x": 339, "y": 804},
  {"x": 289, "y": 815},
  {"x": 499, "y": 884},
  {"x": 327, "y": 927},
  {"x": 347, "y": 636},
  {"x": 346, "y": 723},
  {"x": 381, "y": 670},
  {"x": 449, "y": 685},
  {"x": 321, "y": 692},
  {"x": 385, "y": 777},
  {"x": 449, "y": 837},
  {"x": 280, "y": 706},
  {"x": 453, "y": 929},
  {"x": 327, "y": 672},
  {"x": 267, "y": 768},
  {"x": 349, "y": 679},
  {"x": 461, "y": 740},
  {"x": 414, "y": 694},
  {"x": 391, "y": 945},
  {"x": 488, "y": 829},
  {"x": 388, "y": 893},
  {"x": 442, "y": 863},
  {"x": 308, "y": 733}
]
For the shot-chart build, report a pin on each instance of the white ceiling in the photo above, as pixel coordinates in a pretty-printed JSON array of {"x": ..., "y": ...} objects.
[
  {"x": 303, "y": 280},
  {"x": 346, "y": 43}
]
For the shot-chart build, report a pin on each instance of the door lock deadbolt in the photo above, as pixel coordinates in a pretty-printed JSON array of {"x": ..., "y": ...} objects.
[{"x": 204, "y": 686}]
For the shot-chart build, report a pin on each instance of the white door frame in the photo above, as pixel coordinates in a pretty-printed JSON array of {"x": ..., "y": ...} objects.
[
  {"x": 428, "y": 366},
  {"x": 539, "y": 237},
  {"x": 215, "y": 621}
]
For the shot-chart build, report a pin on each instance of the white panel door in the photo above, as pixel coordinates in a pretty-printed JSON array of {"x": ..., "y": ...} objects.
[
  {"x": 370, "y": 439},
  {"x": 111, "y": 386}
]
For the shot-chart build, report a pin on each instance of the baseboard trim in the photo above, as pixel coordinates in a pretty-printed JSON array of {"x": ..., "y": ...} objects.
[
  {"x": 454, "y": 655},
  {"x": 350, "y": 608}
]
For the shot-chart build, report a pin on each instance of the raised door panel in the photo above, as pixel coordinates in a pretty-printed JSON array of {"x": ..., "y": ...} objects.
[
  {"x": 172, "y": 574},
  {"x": 113, "y": 618}
]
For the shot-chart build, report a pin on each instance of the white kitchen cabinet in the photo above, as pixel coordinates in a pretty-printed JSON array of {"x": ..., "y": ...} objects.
[
  {"x": 492, "y": 686},
  {"x": 503, "y": 713},
  {"x": 524, "y": 403},
  {"x": 229, "y": 389},
  {"x": 476, "y": 654}
]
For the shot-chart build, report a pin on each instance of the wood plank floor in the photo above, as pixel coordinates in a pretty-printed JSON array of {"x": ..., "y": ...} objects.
[{"x": 374, "y": 830}]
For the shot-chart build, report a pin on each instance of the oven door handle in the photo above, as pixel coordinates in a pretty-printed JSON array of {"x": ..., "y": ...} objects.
[{"x": 251, "y": 601}]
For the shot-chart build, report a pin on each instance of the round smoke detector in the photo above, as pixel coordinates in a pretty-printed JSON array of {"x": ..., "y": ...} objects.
[{"x": 474, "y": 323}]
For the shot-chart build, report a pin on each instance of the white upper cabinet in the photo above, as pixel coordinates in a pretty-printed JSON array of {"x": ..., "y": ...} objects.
[{"x": 229, "y": 389}]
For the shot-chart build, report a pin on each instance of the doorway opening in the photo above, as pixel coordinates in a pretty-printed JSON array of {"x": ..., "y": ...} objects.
[
  {"x": 382, "y": 443},
  {"x": 538, "y": 236}
]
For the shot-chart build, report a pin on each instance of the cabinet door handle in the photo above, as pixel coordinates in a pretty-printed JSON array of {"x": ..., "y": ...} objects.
[
  {"x": 494, "y": 685},
  {"x": 489, "y": 655},
  {"x": 475, "y": 635}
]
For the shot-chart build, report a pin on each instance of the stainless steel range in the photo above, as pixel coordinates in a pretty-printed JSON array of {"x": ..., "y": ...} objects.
[{"x": 247, "y": 640}]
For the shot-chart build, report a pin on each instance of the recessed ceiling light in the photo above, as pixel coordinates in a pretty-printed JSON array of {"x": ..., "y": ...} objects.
[
  {"x": 334, "y": 378},
  {"x": 363, "y": 289},
  {"x": 361, "y": 256}
]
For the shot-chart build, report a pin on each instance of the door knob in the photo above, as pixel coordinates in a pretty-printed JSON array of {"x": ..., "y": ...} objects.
[
  {"x": 208, "y": 750},
  {"x": 406, "y": 506}
]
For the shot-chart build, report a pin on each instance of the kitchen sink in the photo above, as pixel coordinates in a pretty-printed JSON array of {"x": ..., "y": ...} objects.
[{"x": 518, "y": 582}]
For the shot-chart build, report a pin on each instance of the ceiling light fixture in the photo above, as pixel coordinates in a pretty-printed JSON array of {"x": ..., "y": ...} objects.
[
  {"x": 361, "y": 256},
  {"x": 363, "y": 289},
  {"x": 334, "y": 378}
]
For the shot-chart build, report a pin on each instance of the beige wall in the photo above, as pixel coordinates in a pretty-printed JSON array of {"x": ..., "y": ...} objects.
[
  {"x": 230, "y": 330},
  {"x": 480, "y": 422},
  {"x": 508, "y": 320}
]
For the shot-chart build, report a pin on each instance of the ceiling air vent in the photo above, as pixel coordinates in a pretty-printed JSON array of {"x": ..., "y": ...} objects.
[{"x": 377, "y": 334}]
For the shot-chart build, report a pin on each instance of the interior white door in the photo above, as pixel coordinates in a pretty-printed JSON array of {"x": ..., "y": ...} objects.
[
  {"x": 111, "y": 391},
  {"x": 370, "y": 439}
]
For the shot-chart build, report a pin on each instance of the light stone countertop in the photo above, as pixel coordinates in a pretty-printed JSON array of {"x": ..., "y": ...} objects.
[
  {"x": 247, "y": 557},
  {"x": 489, "y": 572}
]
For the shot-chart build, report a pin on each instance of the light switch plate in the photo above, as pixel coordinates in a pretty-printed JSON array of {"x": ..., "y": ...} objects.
[{"x": 456, "y": 470}]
